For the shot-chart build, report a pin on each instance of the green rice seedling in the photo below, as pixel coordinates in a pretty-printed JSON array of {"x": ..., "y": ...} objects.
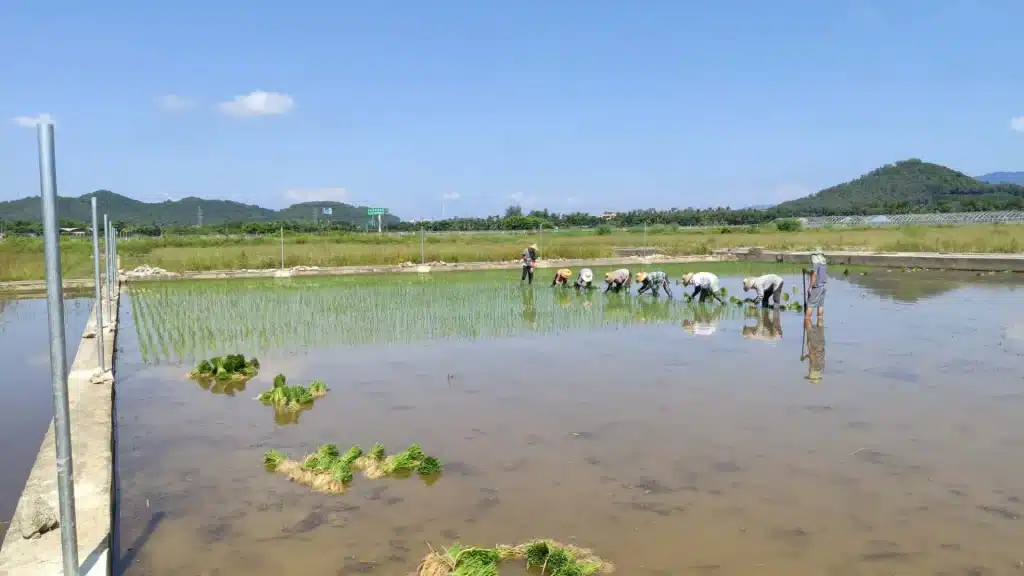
[
  {"x": 352, "y": 455},
  {"x": 537, "y": 554},
  {"x": 272, "y": 458},
  {"x": 280, "y": 381},
  {"x": 233, "y": 367},
  {"x": 785, "y": 296},
  {"x": 546, "y": 557},
  {"x": 317, "y": 388},
  {"x": 341, "y": 472},
  {"x": 377, "y": 452},
  {"x": 429, "y": 466},
  {"x": 557, "y": 559}
]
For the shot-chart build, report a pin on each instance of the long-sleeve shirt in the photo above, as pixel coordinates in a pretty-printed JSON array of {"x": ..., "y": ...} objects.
[
  {"x": 620, "y": 276},
  {"x": 705, "y": 280},
  {"x": 529, "y": 257},
  {"x": 763, "y": 283},
  {"x": 657, "y": 278}
]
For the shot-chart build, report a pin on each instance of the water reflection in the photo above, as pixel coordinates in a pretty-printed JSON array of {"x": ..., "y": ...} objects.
[
  {"x": 705, "y": 319},
  {"x": 916, "y": 285},
  {"x": 814, "y": 343},
  {"x": 768, "y": 326}
]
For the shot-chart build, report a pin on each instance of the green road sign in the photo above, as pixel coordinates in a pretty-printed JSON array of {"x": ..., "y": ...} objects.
[{"x": 376, "y": 211}]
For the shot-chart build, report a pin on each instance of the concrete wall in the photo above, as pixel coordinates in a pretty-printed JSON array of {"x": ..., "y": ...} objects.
[{"x": 30, "y": 551}]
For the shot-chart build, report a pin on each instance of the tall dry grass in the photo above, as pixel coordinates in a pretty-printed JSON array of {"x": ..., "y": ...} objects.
[{"x": 22, "y": 259}]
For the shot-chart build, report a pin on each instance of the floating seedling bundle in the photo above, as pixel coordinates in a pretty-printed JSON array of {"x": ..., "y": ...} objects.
[
  {"x": 233, "y": 367},
  {"x": 328, "y": 470},
  {"x": 547, "y": 557},
  {"x": 292, "y": 398}
]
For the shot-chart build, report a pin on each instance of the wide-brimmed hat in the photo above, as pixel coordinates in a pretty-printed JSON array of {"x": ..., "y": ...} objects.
[
  {"x": 641, "y": 276},
  {"x": 564, "y": 272},
  {"x": 748, "y": 283},
  {"x": 534, "y": 246},
  {"x": 609, "y": 276},
  {"x": 586, "y": 275},
  {"x": 687, "y": 277}
]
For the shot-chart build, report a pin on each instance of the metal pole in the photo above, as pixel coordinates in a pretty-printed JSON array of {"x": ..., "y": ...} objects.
[
  {"x": 106, "y": 256},
  {"x": 282, "y": 247},
  {"x": 645, "y": 238},
  {"x": 98, "y": 289},
  {"x": 378, "y": 224},
  {"x": 423, "y": 258},
  {"x": 113, "y": 263},
  {"x": 58, "y": 355}
]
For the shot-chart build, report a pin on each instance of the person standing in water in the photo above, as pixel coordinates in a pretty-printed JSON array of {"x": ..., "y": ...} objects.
[
  {"x": 767, "y": 286},
  {"x": 654, "y": 282},
  {"x": 704, "y": 284},
  {"x": 617, "y": 280},
  {"x": 816, "y": 285},
  {"x": 529, "y": 262},
  {"x": 562, "y": 277},
  {"x": 585, "y": 279}
]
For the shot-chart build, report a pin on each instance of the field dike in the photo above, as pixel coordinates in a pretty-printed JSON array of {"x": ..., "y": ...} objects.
[{"x": 32, "y": 546}]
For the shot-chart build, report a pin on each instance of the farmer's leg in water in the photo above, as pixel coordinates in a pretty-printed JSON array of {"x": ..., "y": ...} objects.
[
  {"x": 768, "y": 293},
  {"x": 777, "y": 294},
  {"x": 667, "y": 289}
]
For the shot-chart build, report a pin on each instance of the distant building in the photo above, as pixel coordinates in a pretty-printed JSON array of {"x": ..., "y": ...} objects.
[
  {"x": 609, "y": 215},
  {"x": 74, "y": 231}
]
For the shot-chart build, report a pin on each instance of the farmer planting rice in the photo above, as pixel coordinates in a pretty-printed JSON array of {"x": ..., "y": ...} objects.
[
  {"x": 585, "y": 279},
  {"x": 816, "y": 285},
  {"x": 704, "y": 284},
  {"x": 617, "y": 280},
  {"x": 562, "y": 277},
  {"x": 529, "y": 262},
  {"x": 653, "y": 281},
  {"x": 765, "y": 287}
]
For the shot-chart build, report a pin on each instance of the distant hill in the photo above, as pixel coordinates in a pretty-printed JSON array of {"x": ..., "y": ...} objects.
[
  {"x": 182, "y": 212},
  {"x": 908, "y": 186},
  {"x": 1003, "y": 178}
]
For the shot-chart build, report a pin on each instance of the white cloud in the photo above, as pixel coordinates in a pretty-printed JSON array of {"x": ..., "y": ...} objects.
[
  {"x": 1017, "y": 124},
  {"x": 317, "y": 195},
  {"x": 449, "y": 196},
  {"x": 524, "y": 200},
  {"x": 175, "y": 103},
  {"x": 33, "y": 121},
  {"x": 258, "y": 103}
]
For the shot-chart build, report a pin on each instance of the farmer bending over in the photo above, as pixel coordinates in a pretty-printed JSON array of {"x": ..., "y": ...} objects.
[
  {"x": 616, "y": 280},
  {"x": 562, "y": 277},
  {"x": 705, "y": 284},
  {"x": 767, "y": 286},
  {"x": 585, "y": 279},
  {"x": 529, "y": 261},
  {"x": 654, "y": 282}
]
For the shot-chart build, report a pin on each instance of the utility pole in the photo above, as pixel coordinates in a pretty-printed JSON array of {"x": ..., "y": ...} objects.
[
  {"x": 379, "y": 224},
  {"x": 200, "y": 216}
]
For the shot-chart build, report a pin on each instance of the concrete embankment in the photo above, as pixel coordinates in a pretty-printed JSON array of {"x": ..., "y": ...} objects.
[
  {"x": 32, "y": 546},
  {"x": 924, "y": 260}
]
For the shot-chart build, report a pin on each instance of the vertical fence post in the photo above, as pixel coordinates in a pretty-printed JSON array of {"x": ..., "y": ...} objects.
[
  {"x": 97, "y": 288},
  {"x": 58, "y": 354},
  {"x": 423, "y": 254},
  {"x": 282, "y": 247},
  {"x": 106, "y": 258}
]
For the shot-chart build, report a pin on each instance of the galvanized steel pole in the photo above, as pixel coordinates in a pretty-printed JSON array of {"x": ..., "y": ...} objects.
[
  {"x": 58, "y": 355},
  {"x": 97, "y": 288},
  {"x": 106, "y": 257},
  {"x": 423, "y": 258}
]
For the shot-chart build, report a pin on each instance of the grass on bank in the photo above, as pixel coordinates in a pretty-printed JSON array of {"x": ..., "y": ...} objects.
[{"x": 22, "y": 258}]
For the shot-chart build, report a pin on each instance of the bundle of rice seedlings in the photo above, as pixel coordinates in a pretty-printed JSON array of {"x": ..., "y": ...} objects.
[
  {"x": 323, "y": 470},
  {"x": 543, "y": 556},
  {"x": 352, "y": 455},
  {"x": 233, "y": 367},
  {"x": 272, "y": 458},
  {"x": 429, "y": 466},
  {"x": 293, "y": 398},
  {"x": 317, "y": 388}
]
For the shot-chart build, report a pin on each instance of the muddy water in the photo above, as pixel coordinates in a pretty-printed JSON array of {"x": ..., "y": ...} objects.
[
  {"x": 27, "y": 406},
  {"x": 669, "y": 447}
]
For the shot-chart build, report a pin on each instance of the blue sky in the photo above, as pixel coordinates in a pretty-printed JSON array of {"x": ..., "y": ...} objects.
[{"x": 570, "y": 104}]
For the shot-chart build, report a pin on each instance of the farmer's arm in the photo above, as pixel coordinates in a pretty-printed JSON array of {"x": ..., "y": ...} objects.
[
  {"x": 810, "y": 284},
  {"x": 667, "y": 289},
  {"x": 644, "y": 287}
]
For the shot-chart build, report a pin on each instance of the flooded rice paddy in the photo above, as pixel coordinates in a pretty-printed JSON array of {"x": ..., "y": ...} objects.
[
  {"x": 671, "y": 439},
  {"x": 27, "y": 407}
]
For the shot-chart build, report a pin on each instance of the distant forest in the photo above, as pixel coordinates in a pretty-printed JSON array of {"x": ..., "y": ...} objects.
[{"x": 909, "y": 186}]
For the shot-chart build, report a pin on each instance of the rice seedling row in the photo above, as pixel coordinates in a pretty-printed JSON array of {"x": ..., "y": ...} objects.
[
  {"x": 541, "y": 556},
  {"x": 330, "y": 471}
]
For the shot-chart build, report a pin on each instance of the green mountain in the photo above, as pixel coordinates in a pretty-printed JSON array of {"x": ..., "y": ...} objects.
[
  {"x": 182, "y": 212},
  {"x": 908, "y": 186},
  {"x": 1003, "y": 178}
]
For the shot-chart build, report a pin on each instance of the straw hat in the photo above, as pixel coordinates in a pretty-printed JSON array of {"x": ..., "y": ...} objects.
[
  {"x": 609, "y": 276},
  {"x": 587, "y": 275},
  {"x": 534, "y": 246},
  {"x": 748, "y": 283},
  {"x": 641, "y": 276},
  {"x": 564, "y": 272},
  {"x": 687, "y": 277}
]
